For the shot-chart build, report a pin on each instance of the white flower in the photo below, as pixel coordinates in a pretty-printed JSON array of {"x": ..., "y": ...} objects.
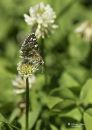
[
  {"x": 24, "y": 69},
  {"x": 85, "y": 30},
  {"x": 43, "y": 17},
  {"x": 19, "y": 84}
]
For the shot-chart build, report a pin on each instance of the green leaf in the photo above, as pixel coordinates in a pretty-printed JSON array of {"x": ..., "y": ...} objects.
[
  {"x": 78, "y": 72},
  {"x": 89, "y": 111},
  {"x": 14, "y": 114},
  {"x": 63, "y": 93},
  {"x": 87, "y": 121},
  {"x": 38, "y": 125},
  {"x": 51, "y": 101},
  {"x": 65, "y": 105},
  {"x": 68, "y": 80},
  {"x": 86, "y": 93},
  {"x": 53, "y": 127},
  {"x": 74, "y": 114},
  {"x": 2, "y": 119}
]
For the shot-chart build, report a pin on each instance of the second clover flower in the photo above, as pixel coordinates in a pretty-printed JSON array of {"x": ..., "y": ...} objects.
[
  {"x": 19, "y": 84},
  {"x": 85, "y": 30},
  {"x": 43, "y": 17}
]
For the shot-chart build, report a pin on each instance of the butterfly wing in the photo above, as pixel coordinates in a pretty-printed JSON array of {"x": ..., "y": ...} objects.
[{"x": 29, "y": 50}]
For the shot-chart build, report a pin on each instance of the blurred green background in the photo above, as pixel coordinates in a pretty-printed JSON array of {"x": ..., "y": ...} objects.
[{"x": 63, "y": 99}]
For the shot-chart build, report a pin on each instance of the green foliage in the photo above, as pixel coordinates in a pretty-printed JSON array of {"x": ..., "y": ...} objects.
[
  {"x": 61, "y": 98},
  {"x": 87, "y": 121}
]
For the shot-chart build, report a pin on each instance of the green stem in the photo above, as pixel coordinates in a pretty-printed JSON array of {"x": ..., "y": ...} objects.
[
  {"x": 27, "y": 104},
  {"x": 44, "y": 59}
]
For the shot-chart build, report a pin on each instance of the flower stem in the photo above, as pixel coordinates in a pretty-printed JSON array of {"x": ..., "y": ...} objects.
[
  {"x": 27, "y": 105},
  {"x": 44, "y": 59}
]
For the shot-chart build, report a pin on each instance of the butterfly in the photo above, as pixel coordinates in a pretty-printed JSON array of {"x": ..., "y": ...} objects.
[{"x": 29, "y": 50}]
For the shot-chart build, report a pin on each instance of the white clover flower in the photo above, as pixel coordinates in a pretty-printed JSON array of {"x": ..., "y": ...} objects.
[
  {"x": 24, "y": 69},
  {"x": 19, "y": 84},
  {"x": 85, "y": 30},
  {"x": 43, "y": 17}
]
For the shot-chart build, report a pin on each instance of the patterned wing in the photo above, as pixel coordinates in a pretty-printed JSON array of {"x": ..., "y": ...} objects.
[
  {"x": 28, "y": 45},
  {"x": 29, "y": 50}
]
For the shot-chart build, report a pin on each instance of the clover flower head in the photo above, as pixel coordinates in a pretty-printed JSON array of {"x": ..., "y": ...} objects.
[
  {"x": 43, "y": 17},
  {"x": 24, "y": 69},
  {"x": 19, "y": 84},
  {"x": 30, "y": 57},
  {"x": 85, "y": 30}
]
